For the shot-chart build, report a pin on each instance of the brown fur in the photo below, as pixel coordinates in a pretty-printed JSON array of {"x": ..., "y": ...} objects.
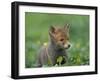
[{"x": 59, "y": 42}]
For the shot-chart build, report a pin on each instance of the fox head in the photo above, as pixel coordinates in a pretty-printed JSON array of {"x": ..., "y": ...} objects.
[{"x": 60, "y": 36}]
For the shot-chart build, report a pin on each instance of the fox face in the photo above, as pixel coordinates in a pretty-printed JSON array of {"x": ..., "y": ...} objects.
[{"x": 60, "y": 36}]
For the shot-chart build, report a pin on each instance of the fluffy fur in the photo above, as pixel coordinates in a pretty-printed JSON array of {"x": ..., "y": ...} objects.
[{"x": 59, "y": 42}]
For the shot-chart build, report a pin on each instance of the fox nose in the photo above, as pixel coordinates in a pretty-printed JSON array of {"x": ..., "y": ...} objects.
[{"x": 69, "y": 46}]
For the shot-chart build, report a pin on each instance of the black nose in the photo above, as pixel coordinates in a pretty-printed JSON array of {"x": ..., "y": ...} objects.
[{"x": 69, "y": 46}]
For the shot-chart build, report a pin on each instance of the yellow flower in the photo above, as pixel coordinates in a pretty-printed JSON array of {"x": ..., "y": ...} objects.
[{"x": 45, "y": 44}]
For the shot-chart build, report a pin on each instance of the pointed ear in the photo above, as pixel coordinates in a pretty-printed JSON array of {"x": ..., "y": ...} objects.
[
  {"x": 67, "y": 27},
  {"x": 52, "y": 31}
]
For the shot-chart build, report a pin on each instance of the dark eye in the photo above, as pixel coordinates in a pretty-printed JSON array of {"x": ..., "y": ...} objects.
[{"x": 61, "y": 39}]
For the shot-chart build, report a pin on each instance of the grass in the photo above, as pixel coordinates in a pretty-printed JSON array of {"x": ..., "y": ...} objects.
[{"x": 36, "y": 33}]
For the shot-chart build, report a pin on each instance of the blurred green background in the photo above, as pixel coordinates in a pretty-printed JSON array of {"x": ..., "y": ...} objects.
[{"x": 36, "y": 33}]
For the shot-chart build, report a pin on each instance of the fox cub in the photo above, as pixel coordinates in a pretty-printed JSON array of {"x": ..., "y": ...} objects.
[{"x": 55, "y": 51}]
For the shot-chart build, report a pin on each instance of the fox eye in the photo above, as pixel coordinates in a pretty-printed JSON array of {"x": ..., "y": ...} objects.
[{"x": 61, "y": 39}]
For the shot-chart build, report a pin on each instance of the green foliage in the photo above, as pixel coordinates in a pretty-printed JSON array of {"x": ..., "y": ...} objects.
[
  {"x": 59, "y": 60},
  {"x": 36, "y": 34}
]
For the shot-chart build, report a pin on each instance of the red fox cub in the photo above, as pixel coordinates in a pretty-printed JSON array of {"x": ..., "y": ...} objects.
[{"x": 55, "y": 52}]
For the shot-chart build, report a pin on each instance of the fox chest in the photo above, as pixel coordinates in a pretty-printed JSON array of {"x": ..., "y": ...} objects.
[{"x": 58, "y": 57}]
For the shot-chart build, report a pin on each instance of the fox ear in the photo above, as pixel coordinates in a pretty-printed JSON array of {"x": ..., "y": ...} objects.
[
  {"x": 67, "y": 27},
  {"x": 52, "y": 31}
]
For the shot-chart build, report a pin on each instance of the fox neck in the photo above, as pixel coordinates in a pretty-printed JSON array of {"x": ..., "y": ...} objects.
[{"x": 54, "y": 47}]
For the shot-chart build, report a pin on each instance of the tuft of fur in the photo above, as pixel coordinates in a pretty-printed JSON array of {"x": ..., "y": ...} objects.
[{"x": 59, "y": 42}]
